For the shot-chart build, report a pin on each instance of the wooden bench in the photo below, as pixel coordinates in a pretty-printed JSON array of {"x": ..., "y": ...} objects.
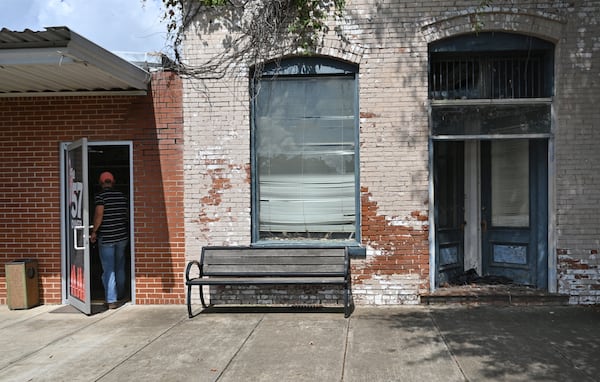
[{"x": 270, "y": 266}]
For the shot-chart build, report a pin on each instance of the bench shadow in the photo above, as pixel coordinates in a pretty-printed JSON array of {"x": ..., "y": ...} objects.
[{"x": 242, "y": 309}]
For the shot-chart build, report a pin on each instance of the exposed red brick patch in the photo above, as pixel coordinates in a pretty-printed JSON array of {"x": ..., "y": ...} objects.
[
  {"x": 419, "y": 216},
  {"x": 405, "y": 250},
  {"x": 248, "y": 171},
  {"x": 220, "y": 182},
  {"x": 567, "y": 263},
  {"x": 366, "y": 114}
]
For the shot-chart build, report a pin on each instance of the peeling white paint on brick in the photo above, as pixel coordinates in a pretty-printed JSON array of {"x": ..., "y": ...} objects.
[{"x": 390, "y": 44}]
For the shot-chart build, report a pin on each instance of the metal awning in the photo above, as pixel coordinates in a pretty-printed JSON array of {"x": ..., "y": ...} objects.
[{"x": 58, "y": 61}]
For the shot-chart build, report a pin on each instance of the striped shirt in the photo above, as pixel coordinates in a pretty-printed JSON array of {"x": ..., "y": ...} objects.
[{"x": 114, "y": 227}]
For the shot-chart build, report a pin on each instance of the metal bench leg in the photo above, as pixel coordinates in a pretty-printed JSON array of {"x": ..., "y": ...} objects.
[
  {"x": 189, "y": 301},
  {"x": 202, "y": 297},
  {"x": 346, "y": 301}
]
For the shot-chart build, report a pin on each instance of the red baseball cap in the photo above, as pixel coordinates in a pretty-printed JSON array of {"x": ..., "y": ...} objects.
[{"x": 107, "y": 176}]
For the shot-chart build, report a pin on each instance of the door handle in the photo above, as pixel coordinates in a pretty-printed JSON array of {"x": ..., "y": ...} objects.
[
  {"x": 484, "y": 225},
  {"x": 76, "y": 245}
]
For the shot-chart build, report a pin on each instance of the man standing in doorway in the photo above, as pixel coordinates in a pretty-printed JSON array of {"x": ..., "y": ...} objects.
[{"x": 111, "y": 230}]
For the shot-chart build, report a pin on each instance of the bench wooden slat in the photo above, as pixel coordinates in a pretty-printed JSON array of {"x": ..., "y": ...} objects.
[
  {"x": 275, "y": 251},
  {"x": 267, "y": 280},
  {"x": 214, "y": 258},
  {"x": 272, "y": 268}
]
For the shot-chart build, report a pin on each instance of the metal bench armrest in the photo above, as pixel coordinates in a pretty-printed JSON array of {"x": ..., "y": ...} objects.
[{"x": 189, "y": 267}]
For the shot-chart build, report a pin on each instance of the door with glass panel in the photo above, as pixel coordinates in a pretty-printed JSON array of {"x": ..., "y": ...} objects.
[
  {"x": 448, "y": 175},
  {"x": 514, "y": 210},
  {"x": 77, "y": 226}
]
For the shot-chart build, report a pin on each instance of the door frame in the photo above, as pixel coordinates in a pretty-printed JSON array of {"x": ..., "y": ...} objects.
[
  {"x": 64, "y": 223},
  {"x": 551, "y": 237}
]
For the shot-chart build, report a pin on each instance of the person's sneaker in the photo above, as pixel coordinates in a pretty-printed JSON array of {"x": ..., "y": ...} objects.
[{"x": 113, "y": 305}]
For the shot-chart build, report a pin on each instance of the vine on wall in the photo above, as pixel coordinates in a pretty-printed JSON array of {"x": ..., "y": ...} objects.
[{"x": 256, "y": 30}]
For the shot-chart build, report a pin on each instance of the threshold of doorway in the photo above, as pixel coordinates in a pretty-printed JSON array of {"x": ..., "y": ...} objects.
[{"x": 493, "y": 295}]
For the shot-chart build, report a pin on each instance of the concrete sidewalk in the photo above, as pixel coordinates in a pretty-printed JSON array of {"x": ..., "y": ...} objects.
[{"x": 159, "y": 343}]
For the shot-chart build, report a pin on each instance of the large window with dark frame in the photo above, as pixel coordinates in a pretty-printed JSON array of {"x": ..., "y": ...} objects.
[{"x": 305, "y": 152}]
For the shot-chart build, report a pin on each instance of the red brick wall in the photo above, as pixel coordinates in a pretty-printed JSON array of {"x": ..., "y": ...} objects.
[
  {"x": 399, "y": 271},
  {"x": 31, "y": 130},
  {"x": 404, "y": 250}
]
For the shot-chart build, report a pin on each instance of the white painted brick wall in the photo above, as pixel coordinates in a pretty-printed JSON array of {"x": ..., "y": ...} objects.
[{"x": 388, "y": 40}]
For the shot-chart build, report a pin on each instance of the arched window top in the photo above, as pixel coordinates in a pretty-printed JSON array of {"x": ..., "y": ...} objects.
[
  {"x": 490, "y": 42},
  {"x": 299, "y": 66},
  {"x": 491, "y": 65}
]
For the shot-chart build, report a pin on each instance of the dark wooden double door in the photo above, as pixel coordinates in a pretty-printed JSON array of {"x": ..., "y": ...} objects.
[{"x": 511, "y": 205}]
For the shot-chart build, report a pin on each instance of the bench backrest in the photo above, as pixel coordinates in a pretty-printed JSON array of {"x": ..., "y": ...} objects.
[{"x": 274, "y": 261}]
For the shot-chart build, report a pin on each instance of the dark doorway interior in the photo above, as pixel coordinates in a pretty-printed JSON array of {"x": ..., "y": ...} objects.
[
  {"x": 512, "y": 213},
  {"x": 113, "y": 158}
]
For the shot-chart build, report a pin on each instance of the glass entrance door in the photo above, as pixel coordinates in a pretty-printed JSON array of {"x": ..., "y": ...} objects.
[{"x": 77, "y": 226}]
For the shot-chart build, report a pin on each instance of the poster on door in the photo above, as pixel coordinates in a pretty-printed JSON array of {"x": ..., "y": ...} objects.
[{"x": 76, "y": 261}]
